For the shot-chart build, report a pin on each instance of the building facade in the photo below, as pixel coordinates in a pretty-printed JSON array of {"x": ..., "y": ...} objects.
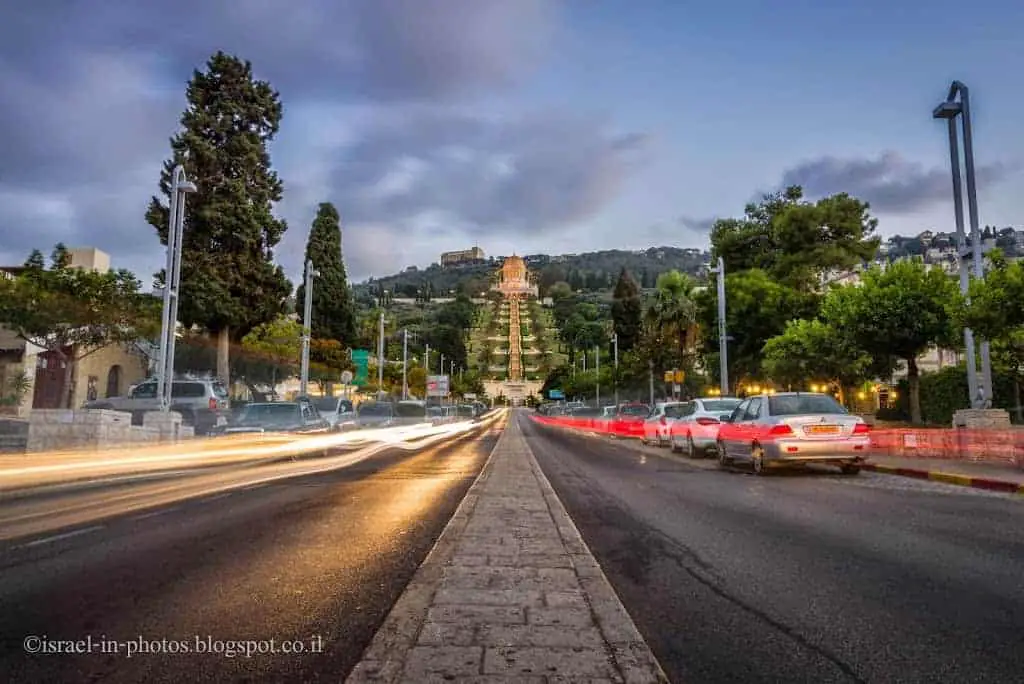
[{"x": 462, "y": 256}]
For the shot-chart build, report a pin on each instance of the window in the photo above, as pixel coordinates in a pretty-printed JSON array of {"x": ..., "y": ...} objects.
[
  {"x": 327, "y": 404},
  {"x": 679, "y": 410},
  {"x": 308, "y": 412},
  {"x": 739, "y": 411},
  {"x": 114, "y": 381},
  {"x": 803, "y": 405},
  {"x": 146, "y": 390},
  {"x": 219, "y": 390},
  {"x": 753, "y": 410},
  {"x": 720, "y": 405},
  {"x": 188, "y": 390}
]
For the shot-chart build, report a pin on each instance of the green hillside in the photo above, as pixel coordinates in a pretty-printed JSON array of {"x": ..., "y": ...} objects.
[{"x": 590, "y": 271}]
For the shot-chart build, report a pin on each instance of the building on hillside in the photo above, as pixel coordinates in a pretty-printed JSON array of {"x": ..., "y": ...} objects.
[
  {"x": 514, "y": 279},
  {"x": 106, "y": 372},
  {"x": 462, "y": 257}
]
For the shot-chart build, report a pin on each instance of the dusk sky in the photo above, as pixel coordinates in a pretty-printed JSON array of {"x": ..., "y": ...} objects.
[{"x": 519, "y": 125}]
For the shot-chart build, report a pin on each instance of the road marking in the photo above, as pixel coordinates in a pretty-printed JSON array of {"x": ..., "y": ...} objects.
[
  {"x": 219, "y": 496},
  {"x": 155, "y": 513},
  {"x": 58, "y": 537}
]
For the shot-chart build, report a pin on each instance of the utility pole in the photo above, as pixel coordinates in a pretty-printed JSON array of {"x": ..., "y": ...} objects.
[
  {"x": 615, "y": 346},
  {"x": 380, "y": 357},
  {"x": 405, "y": 364},
  {"x": 650, "y": 379},
  {"x": 426, "y": 359},
  {"x": 307, "y": 329},
  {"x": 597, "y": 361},
  {"x": 723, "y": 338}
]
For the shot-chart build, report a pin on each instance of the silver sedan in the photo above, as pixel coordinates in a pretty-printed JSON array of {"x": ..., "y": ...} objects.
[{"x": 793, "y": 428}]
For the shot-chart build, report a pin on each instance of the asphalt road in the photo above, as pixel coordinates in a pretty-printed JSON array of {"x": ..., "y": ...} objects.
[
  {"x": 318, "y": 559},
  {"x": 798, "y": 577}
]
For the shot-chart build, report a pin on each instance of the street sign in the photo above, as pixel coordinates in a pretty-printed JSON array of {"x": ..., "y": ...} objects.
[
  {"x": 556, "y": 394},
  {"x": 680, "y": 376},
  {"x": 668, "y": 376},
  {"x": 469, "y": 395},
  {"x": 346, "y": 376},
  {"x": 361, "y": 359},
  {"x": 437, "y": 385}
]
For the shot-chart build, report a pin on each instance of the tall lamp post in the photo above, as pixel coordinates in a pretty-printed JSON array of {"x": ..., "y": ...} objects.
[
  {"x": 307, "y": 327},
  {"x": 615, "y": 348},
  {"x": 180, "y": 186},
  {"x": 597, "y": 366},
  {"x": 380, "y": 358},
  {"x": 980, "y": 389},
  {"x": 723, "y": 338}
]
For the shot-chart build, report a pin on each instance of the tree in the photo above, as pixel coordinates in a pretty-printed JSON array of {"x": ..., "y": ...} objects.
[
  {"x": 627, "y": 311},
  {"x": 673, "y": 313},
  {"x": 794, "y": 240},
  {"x": 278, "y": 343},
  {"x": 809, "y": 349},
  {"x": 757, "y": 308},
  {"x": 229, "y": 283},
  {"x": 333, "y": 309},
  {"x": 75, "y": 312},
  {"x": 900, "y": 311}
]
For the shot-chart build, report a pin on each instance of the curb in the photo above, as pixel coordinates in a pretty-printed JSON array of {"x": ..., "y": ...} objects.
[
  {"x": 384, "y": 659},
  {"x": 986, "y": 483}
]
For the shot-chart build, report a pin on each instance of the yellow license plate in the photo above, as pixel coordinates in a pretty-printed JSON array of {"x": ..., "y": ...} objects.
[{"x": 823, "y": 429}]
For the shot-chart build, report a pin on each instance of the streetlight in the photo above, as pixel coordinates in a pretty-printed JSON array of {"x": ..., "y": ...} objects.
[
  {"x": 380, "y": 358},
  {"x": 180, "y": 186},
  {"x": 723, "y": 340},
  {"x": 597, "y": 365},
  {"x": 980, "y": 391},
  {"x": 307, "y": 327},
  {"x": 615, "y": 346}
]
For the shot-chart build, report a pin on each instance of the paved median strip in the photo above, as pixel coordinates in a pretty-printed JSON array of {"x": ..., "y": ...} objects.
[{"x": 509, "y": 592}]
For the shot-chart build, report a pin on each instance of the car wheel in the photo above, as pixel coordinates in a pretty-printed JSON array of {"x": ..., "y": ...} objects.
[
  {"x": 850, "y": 469},
  {"x": 757, "y": 459},
  {"x": 691, "y": 450},
  {"x": 723, "y": 460},
  {"x": 676, "y": 449}
]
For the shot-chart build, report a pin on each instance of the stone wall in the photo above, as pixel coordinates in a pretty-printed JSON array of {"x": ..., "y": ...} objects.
[
  {"x": 97, "y": 429},
  {"x": 13, "y": 435}
]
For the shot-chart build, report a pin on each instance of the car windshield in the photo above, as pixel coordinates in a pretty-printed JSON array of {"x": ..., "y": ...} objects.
[
  {"x": 260, "y": 415},
  {"x": 326, "y": 404},
  {"x": 374, "y": 409},
  {"x": 219, "y": 390},
  {"x": 404, "y": 410},
  {"x": 803, "y": 404},
  {"x": 635, "y": 410},
  {"x": 715, "y": 405}
]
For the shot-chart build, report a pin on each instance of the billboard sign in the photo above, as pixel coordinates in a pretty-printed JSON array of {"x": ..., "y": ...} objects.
[
  {"x": 361, "y": 360},
  {"x": 556, "y": 394},
  {"x": 437, "y": 385}
]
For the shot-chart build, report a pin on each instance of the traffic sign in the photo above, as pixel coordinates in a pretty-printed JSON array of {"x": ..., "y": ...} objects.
[
  {"x": 669, "y": 375},
  {"x": 556, "y": 394},
  {"x": 346, "y": 376},
  {"x": 680, "y": 376}
]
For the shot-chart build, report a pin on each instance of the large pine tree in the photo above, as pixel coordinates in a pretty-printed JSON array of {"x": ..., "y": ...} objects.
[
  {"x": 333, "y": 316},
  {"x": 627, "y": 311},
  {"x": 229, "y": 281}
]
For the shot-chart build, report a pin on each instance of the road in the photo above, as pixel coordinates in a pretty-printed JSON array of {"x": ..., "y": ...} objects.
[
  {"x": 798, "y": 578},
  {"x": 318, "y": 558}
]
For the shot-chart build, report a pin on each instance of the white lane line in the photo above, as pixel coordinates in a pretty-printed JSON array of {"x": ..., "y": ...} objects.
[
  {"x": 155, "y": 513},
  {"x": 58, "y": 537}
]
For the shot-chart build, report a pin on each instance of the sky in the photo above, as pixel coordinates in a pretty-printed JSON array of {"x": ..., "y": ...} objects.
[{"x": 523, "y": 126}]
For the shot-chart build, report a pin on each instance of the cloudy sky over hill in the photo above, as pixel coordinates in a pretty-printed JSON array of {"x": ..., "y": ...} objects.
[{"x": 527, "y": 125}]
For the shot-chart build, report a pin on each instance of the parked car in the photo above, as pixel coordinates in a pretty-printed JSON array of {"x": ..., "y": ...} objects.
[
  {"x": 793, "y": 428},
  {"x": 298, "y": 416},
  {"x": 375, "y": 414},
  {"x": 337, "y": 411},
  {"x": 658, "y": 423},
  {"x": 628, "y": 420},
  {"x": 202, "y": 402},
  {"x": 695, "y": 432}
]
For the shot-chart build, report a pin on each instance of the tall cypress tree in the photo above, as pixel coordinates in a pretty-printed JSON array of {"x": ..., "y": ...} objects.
[
  {"x": 333, "y": 315},
  {"x": 229, "y": 281},
  {"x": 627, "y": 311}
]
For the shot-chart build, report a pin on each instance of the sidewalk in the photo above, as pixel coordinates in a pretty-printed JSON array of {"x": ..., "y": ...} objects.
[
  {"x": 980, "y": 474},
  {"x": 510, "y": 593}
]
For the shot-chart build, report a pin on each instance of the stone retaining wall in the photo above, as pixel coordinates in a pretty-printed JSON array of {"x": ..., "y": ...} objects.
[{"x": 97, "y": 429}]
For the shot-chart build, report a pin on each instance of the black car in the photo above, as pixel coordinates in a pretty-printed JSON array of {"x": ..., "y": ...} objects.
[{"x": 298, "y": 416}]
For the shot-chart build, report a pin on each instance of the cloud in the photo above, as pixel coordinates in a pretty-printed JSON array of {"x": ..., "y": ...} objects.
[
  {"x": 701, "y": 226},
  {"x": 379, "y": 119},
  {"x": 889, "y": 182}
]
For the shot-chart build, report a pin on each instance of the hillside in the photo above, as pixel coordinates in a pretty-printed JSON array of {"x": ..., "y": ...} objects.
[{"x": 587, "y": 271}]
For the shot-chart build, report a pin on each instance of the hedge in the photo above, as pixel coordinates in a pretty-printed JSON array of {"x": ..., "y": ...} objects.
[{"x": 944, "y": 392}]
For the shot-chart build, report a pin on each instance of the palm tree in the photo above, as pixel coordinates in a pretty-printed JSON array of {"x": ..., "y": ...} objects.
[{"x": 674, "y": 313}]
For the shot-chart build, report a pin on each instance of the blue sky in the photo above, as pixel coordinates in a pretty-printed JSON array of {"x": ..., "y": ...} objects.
[{"x": 518, "y": 125}]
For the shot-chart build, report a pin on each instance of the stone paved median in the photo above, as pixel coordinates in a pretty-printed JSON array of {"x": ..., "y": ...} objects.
[{"x": 510, "y": 593}]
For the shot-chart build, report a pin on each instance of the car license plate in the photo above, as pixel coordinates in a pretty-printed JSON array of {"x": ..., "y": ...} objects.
[{"x": 823, "y": 429}]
